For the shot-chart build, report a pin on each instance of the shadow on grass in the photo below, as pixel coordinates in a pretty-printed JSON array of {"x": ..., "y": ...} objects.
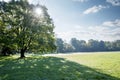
[{"x": 48, "y": 68}]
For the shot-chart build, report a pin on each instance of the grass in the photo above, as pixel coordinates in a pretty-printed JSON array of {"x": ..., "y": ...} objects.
[{"x": 105, "y": 66}]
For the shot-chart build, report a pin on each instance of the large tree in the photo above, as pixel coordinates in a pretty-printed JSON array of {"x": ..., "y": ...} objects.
[{"x": 29, "y": 31}]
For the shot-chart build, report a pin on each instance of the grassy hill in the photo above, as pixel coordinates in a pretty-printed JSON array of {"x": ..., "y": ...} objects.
[{"x": 98, "y": 66}]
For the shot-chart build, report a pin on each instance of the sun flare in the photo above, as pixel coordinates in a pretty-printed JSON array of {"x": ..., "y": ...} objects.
[{"x": 38, "y": 11}]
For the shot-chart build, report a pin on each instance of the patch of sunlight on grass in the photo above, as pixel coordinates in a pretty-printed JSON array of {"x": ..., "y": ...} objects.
[{"x": 106, "y": 62}]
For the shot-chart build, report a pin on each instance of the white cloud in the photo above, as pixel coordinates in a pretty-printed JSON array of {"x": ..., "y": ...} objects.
[
  {"x": 115, "y": 23},
  {"x": 80, "y": 0},
  {"x": 114, "y": 2},
  {"x": 94, "y": 9},
  {"x": 100, "y": 32}
]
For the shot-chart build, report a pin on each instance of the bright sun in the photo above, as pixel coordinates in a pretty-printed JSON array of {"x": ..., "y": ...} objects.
[{"x": 38, "y": 11}]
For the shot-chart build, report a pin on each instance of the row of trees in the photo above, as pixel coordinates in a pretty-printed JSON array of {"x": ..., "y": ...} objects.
[
  {"x": 22, "y": 29},
  {"x": 89, "y": 46}
]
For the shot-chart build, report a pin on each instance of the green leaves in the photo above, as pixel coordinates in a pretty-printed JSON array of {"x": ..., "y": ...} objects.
[{"x": 23, "y": 28}]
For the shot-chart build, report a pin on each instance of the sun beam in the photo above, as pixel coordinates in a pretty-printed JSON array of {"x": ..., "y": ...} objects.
[{"x": 38, "y": 11}]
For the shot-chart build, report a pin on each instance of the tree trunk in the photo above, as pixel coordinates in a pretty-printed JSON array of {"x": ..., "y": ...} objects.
[
  {"x": 22, "y": 52},
  {"x": 4, "y": 51}
]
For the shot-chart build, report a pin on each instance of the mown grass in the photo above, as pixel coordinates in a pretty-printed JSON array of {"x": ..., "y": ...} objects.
[{"x": 105, "y": 66}]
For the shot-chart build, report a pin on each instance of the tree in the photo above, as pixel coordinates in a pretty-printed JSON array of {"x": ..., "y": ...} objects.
[
  {"x": 75, "y": 44},
  {"x": 6, "y": 32},
  {"x": 117, "y": 45},
  {"x": 60, "y": 45},
  {"x": 108, "y": 46},
  {"x": 82, "y": 45},
  {"x": 68, "y": 47},
  {"x": 31, "y": 32},
  {"x": 102, "y": 46},
  {"x": 93, "y": 45}
]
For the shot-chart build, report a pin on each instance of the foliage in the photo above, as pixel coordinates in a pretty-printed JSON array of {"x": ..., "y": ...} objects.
[
  {"x": 90, "y": 46},
  {"x": 63, "y": 47},
  {"x": 24, "y": 29}
]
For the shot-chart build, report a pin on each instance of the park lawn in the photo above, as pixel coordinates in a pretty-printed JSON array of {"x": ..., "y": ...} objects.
[
  {"x": 98, "y": 66},
  {"x": 105, "y": 62}
]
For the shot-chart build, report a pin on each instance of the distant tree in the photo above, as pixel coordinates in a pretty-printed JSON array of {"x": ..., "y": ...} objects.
[
  {"x": 116, "y": 45},
  {"x": 102, "y": 46},
  {"x": 82, "y": 45},
  {"x": 29, "y": 31},
  {"x": 60, "y": 45},
  {"x": 108, "y": 46},
  {"x": 79, "y": 45},
  {"x": 93, "y": 45},
  {"x": 68, "y": 47},
  {"x": 75, "y": 44}
]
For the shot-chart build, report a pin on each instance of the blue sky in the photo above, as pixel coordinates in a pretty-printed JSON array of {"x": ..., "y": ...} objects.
[{"x": 85, "y": 19}]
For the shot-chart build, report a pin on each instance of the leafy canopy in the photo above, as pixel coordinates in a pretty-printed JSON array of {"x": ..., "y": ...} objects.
[{"x": 24, "y": 29}]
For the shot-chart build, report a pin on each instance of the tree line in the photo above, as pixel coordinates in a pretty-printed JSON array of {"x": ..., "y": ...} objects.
[{"x": 91, "y": 45}]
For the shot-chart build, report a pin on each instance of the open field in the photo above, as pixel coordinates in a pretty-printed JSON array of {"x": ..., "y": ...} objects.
[{"x": 98, "y": 66}]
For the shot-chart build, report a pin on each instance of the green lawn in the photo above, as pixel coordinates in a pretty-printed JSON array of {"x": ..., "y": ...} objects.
[{"x": 98, "y": 66}]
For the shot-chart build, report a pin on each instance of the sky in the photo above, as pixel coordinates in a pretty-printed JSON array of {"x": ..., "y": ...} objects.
[{"x": 84, "y": 19}]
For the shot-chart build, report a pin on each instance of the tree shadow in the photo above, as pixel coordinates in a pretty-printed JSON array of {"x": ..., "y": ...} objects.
[{"x": 48, "y": 68}]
